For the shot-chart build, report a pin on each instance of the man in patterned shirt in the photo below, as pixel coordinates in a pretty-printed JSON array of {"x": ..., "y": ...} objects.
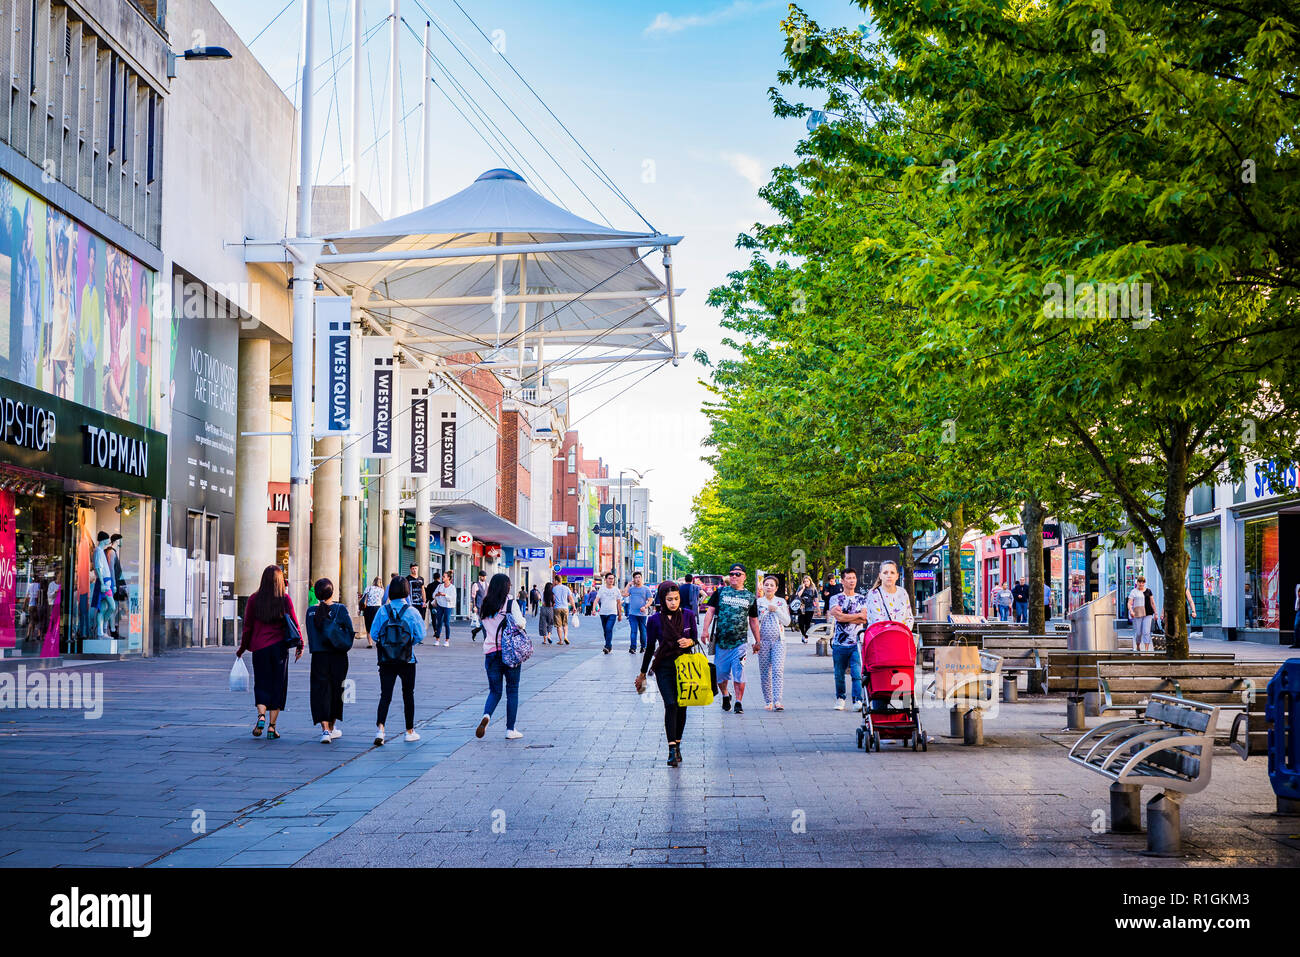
[
  {"x": 848, "y": 611},
  {"x": 736, "y": 609}
]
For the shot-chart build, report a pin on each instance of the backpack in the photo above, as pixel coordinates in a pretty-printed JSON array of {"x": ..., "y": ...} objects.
[
  {"x": 395, "y": 639},
  {"x": 331, "y": 631},
  {"x": 515, "y": 644}
]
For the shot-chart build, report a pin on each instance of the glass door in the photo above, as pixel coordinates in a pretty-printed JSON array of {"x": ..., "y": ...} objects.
[{"x": 201, "y": 543}]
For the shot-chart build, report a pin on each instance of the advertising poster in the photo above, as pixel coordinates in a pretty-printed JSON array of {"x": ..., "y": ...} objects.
[
  {"x": 78, "y": 311},
  {"x": 8, "y": 570},
  {"x": 333, "y": 399},
  {"x": 1268, "y": 571}
]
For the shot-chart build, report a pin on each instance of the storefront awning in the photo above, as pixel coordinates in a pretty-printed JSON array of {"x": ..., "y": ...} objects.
[{"x": 485, "y": 525}]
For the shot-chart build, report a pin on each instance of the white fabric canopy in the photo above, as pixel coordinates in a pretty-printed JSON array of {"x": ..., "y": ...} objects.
[{"x": 447, "y": 255}]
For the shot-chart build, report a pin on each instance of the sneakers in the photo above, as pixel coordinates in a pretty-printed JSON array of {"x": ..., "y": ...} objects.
[
  {"x": 412, "y": 736},
  {"x": 335, "y": 734},
  {"x": 738, "y": 709},
  {"x": 631, "y": 651},
  {"x": 606, "y": 651},
  {"x": 513, "y": 735},
  {"x": 726, "y": 702},
  {"x": 839, "y": 704},
  {"x": 379, "y": 735},
  {"x": 482, "y": 726},
  {"x": 326, "y": 737}
]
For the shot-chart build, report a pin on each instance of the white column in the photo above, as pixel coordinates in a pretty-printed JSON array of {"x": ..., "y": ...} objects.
[
  {"x": 303, "y": 291},
  {"x": 423, "y": 503},
  {"x": 390, "y": 499},
  {"x": 254, "y": 540},
  {"x": 326, "y": 520}
]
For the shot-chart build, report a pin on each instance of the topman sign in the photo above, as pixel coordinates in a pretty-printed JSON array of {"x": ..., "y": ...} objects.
[{"x": 117, "y": 453}]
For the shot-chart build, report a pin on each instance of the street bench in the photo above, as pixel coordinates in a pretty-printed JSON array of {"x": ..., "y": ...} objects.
[
  {"x": 1025, "y": 654},
  {"x": 1229, "y": 685},
  {"x": 1171, "y": 747},
  {"x": 1076, "y": 671}
]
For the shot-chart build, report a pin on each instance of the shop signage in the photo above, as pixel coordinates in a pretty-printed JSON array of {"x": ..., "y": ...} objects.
[
  {"x": 492, "y": 551},
  {"x": 442, "y": 416},
  {"x": 1013, "y": 542},
  {"x": 464, "y": 539},
  {"x": 575, "y": 571},
  {"x": 1051, "y": 534},
  {"x": 559, "y": 529},
  {"x": 277, "y": 512},
  {"x": 26, "y": 425},
  {"x": 47, "y": 434},
  {"x": 1288, "y": 479},
  {"x": 118, "y": 453},
  {"x": 476, "y": 552},
  {"x": 333, "y": 365},
  {"x": 613, "y": 521},
  {"x": 923, "y": 575},
  {"x": 529, "y": 553},
  {"x": 413, "y": 422},
  {"x": 375, "y": 396}
]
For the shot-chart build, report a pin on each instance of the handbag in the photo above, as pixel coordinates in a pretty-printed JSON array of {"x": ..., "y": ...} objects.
[
  {"x": 120, "y": 593},
  {"x": 697, "y": 678},
  {"x": 292, "y": 636}
]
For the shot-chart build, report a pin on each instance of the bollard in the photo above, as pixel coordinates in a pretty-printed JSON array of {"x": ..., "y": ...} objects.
[
  {"x": 973, "y": 727},
  {"x": 1125, "y": 808},
  {"x": 1092, "y": 704},
  {"x": 1010, "y": 689},
  {"x": 1165, "y": 825},
  {"x": 1074, "y": 714},
  {"x": 956, "y": 721}
]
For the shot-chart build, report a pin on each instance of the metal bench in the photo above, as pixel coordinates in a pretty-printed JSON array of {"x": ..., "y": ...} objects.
[
  {"x": 1170, "y": 748},
  {"x": 1024, "y": 654},
  {"x": 1231, "y": 685}
]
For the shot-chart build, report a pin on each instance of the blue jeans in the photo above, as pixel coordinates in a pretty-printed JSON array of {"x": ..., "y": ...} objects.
[
  {"x": 441, "y": 622},
  {"x": 1022, "y": 611},
  {"x": 1004, "y": 613},
  {"x": 607, "y": 622},
  {"x": 495, "y": 671},
  {"x": 638, "y": 627},
  {"x": 847, "y": 656}
]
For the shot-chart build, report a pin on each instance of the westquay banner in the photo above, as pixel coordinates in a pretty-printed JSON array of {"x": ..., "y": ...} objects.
[
  {"x": 333, "y": 366},
  {"x": 376, "y": 388},
  {"x": 414, "y": 422},
  {"x": 442, "y": 416}
]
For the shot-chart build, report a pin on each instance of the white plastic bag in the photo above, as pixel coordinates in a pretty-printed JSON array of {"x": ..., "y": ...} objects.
[
  {"x": 238, "y": 676},
  {"x": 574, "y": 621}
]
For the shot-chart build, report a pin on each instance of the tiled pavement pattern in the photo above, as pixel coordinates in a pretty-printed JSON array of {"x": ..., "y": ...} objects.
[{"x": 585, "y": 786}]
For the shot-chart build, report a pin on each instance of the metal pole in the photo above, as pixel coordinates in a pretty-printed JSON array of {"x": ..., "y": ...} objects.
[
  {"x": 672, "y": 301},
  {"x": 303, "y": 291},
  {"x": 426, "y": 152},
  {"x": 499, "y": 293},
  {"x": 394, "y": 97},
  {"x": 523, "y": 313},
  {"x": 354, "y": 199}
]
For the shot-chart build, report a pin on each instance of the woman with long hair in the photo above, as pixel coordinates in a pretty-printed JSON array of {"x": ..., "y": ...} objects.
[
  {"x": 546, "y": 613},
  {"x": 266, "y": 616},
  {"x": 671, "y": 632},
  {"x": 497, "y": 607},
  {"x": 887, "y": 600},
  {"x": 807, "y": 599},
  {"x": 396, "y": 631}
]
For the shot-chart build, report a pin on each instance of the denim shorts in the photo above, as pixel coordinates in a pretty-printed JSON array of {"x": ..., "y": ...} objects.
[{"x": 730, "y": 663}]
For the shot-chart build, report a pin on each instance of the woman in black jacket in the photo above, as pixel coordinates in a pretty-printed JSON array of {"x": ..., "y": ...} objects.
[
  {"x": 329, "y": 636},
  {"x": 670, "y": 633}
]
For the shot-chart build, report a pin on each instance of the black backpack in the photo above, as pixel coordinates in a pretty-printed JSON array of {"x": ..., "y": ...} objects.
[
  {"x": 395, "y": 639},
  {"x": 331, "y": 631}
]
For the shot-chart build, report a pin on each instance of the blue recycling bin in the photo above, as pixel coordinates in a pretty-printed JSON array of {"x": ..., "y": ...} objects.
[{"x": 1282, "y": 709}]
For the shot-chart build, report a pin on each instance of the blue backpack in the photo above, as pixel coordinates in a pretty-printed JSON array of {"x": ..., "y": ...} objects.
[{"x": 395, "y": 639}]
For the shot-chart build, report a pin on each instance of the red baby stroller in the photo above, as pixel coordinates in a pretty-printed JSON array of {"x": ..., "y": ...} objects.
[{"x": 889, "y": 672}]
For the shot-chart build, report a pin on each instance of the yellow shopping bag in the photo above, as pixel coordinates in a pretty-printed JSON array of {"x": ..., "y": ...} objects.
[{"x": 694, "y": 680}]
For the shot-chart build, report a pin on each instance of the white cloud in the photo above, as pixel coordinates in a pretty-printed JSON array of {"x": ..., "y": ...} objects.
[
  {"x": 747, "y": 167},
  {"x": 667, "y": 23}
]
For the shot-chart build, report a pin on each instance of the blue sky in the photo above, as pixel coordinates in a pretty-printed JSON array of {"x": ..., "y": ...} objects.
[{"x": 669, "y": 97}]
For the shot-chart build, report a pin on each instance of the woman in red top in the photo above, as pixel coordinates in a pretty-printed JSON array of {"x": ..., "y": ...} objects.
[{"x": 264, "y": 634}]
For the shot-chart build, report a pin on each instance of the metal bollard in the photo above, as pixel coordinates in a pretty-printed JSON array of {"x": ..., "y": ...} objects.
[
  {"x": 1010, "y": 689},
  {"x": 956, "y": 721},
  {"x": 1125, "y": 808},
  {"x": 1165, "y": 825},
  {"x": 1074, "y": 714},
  {"x": 1092, "y": 704},
  {"x": 973, "y": 727}
]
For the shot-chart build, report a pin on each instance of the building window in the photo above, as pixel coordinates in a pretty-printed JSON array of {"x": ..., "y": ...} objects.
[
  {"x": 573, "y": 461},
  {"x": 1260, "y": 596},
  {"x": 572, "y": 530},
  {"x": 573, "y": 491},
  {"x": 1203, "y": 574}
]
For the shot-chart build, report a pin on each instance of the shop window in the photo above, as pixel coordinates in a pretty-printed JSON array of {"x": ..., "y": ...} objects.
[
  {"x": 1261, "y": 605},
  {"x": 1204, "y": 574}
]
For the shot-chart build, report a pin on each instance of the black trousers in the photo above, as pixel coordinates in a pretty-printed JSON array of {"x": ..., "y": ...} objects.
[
  {"x": 674, "y": 713},
  {"x": 328, "y": 670},
  {"x": 805, "y": 622},
  {"x": 368, "y": 613},
  {"x": 389, "y": 672}
]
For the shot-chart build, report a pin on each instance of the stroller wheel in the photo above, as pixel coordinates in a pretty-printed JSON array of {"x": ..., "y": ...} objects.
[
  {"x": 925, "y": 742},
  {"x": 861, "y": 734}
]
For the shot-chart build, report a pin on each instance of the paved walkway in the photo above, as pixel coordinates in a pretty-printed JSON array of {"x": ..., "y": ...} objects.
[{"x": 586, "y": 785}]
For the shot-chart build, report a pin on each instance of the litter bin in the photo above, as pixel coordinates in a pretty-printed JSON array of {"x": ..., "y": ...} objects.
[
  {"x": 1092, "y": 628},
  {"x": 1282, "y": 709}
]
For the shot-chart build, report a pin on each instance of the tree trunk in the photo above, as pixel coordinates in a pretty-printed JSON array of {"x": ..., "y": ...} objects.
[
  {"x": 1173, "y": 568},
  {"x": 956, "y": 532},
  {"x": 1031, "y": 516}
]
